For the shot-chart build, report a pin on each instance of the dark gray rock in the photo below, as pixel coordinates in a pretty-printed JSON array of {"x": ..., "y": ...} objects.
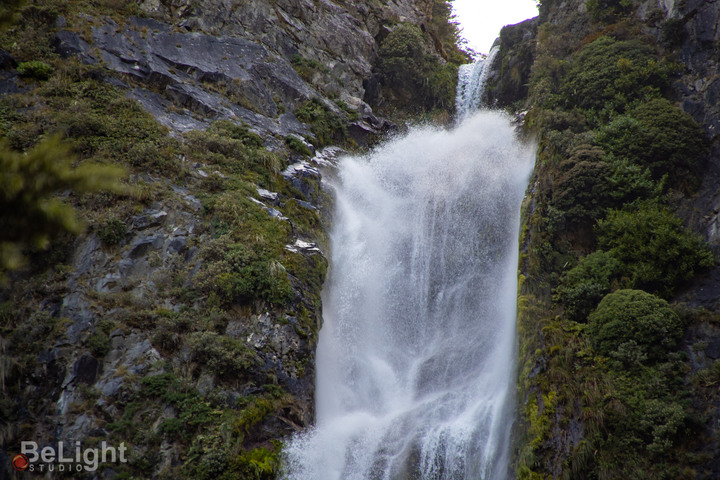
[
  {"x": 6, "y": 60},
  {"x": 713, "y": 349},
  {"x": 86, "y": 369},
  {"x": 68, "y": 44},
  {"x": 180, "y": 64},
  {"x": 304, "y": 177},
  {"x": 76, "y": 307},
  {"x": 142, "y": 245},
  {"x": 177, "y": 245},
  {"x": 151, "y": 218}
]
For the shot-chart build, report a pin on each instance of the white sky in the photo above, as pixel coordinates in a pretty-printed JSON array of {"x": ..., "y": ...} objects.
[{"x": 481, "y": 20}]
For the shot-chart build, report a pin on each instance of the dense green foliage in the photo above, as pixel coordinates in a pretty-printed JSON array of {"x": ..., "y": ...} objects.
[
  {"x": 634, "y": 319},
  {"x": 8, "y": 11},
  {"x": 657, "y": 252},
  {"x": 326, "y": 125},
  {"x": 35, "y": 69},
  {"x": 657, "y": 135},
  {"x": 609, "y": 10},
  {"x": 603, "y": 253},
  {"x": 93, "y": 134},
  {"x": 410, "y": 72},
  {"x": 582, "y": 287},
  {"x": 32, "y": 213},
  {"x": 607, "y": 76}
]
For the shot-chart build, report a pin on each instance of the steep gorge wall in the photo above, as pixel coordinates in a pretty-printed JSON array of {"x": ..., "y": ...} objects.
[
  {"x": 183, "y": 322},
  {"x": 588, "y": 409}
]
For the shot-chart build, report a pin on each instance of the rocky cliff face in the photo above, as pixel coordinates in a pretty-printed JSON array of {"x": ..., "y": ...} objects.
[
  {"x": 588, "y": 410},
  {"x": 184, "y": 321}
]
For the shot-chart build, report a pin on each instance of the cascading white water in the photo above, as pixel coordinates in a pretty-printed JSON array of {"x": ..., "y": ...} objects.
[
  {"x": 472, "y": 78},
  {"x": 415, "y": 362}
]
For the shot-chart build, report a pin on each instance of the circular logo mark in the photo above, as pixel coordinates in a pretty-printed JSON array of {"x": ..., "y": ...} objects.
[{"x": 20, "y": 462}]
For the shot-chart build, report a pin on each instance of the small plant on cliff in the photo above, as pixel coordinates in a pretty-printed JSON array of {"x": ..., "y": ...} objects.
[
  {"x": 656, "y": 135},
  {"x": 112, "y": 231},
  {"x": 608, "y": 75},
  {"x": 324, "y": 123},
  {"x": 657, "y": 252},
  {"x": 634, "y": 316},
  {"x": 582, "y": 287},
  {"x": 35, "y": 69},
  {"x": 411, "y": 73}
]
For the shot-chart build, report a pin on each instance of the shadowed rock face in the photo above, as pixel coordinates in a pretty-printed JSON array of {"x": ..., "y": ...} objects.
[
  {"x": 208, "y": 77},
  {"x": 207, "y": 63}
]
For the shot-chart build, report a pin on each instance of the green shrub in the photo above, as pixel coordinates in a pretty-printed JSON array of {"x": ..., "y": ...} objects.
[
  {"x": 584, "y": 192},
  {"x": 98, "y": 343},
  {"x": 327, "y": 126},
  {"x": 673, "y": 32},
  {"x": 224, "y": 356},
  {"x": 297, "y": 145},
  {"x": 35, "y": 69},
  {"x": 112, "y": 232},
  {"x": 307, "y": 68},
  {"x": 32, "y": 214},
  {"x": 158, "y": 385},
  {"x": 656, "y": 135},
  {"x": 253, "y": 280},
  {"x": 607, "y": 75},
  {"x": 235, "y": 148},
  {"x": 413, "y": 75},
  {"x": 634, "y": 316},
  {"x": 657, "y": 252},
  {"x": 582, "y": 287},
  {"x": 609, "y": 10},
  {"x": 171, "y": 428},
  {"x": 237, "y": 132},
  {"x": 258, "y": 464},
  {"x": 594, "y": 184}
]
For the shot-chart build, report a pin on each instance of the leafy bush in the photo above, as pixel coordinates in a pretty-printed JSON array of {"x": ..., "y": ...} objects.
[
  {"x": 582, "y": 287},
  {"x": 324, "y": 124},
  {"x": 112, "y": 231},
  {"x": 224, "y": 356},
  {"x": 236, "y": 148},
  {"x": 245, "y": 272},
  {"x": 35, "y": 69},
  {"x": 657, "y": 135},
  {"x": 413, "y": 75},
  {"x": 584, "y": 192},
  {"x": 608, "y": 75},
  {"x": 609, "y": 10},
  {"x": 593, "y": 184},
  {"x": 297, "y": 145},
  {"x": 634, "y": 316},
  {"x": 657, "y": 252},
  {"x": 307, "y": 68},
  {"x": 98, "y": 343},
  {"x": 237, "y": 132}
]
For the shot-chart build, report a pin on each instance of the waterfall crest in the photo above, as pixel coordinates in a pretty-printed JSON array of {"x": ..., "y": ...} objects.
[
  {"x": 472, "y": 78},
  {"x": 415, "y": 362}
]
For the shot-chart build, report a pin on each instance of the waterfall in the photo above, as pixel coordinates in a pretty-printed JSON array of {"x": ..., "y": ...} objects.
[
  {"x": 472, "y": 78},
  {"x": 415, "y": 361}
]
